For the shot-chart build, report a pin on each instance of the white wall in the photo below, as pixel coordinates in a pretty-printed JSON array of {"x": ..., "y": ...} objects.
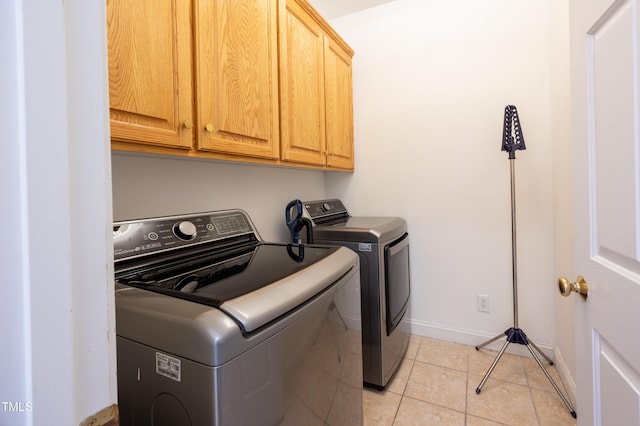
[
  {"x": 148, "y": 186},
  {"x": 330, "y": 9},
  {"x": 431, "y": 80},
  {"x": 57, "y": 363},
  {"x": 14, "y": 305},
  {"x": 562, "y": 190}
]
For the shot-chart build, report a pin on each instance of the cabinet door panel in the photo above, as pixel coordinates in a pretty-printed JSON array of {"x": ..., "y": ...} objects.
[
  {"x": 339, "y": 106},
  {"x": 236, "y": 77},
  {"x": 149, "y": 45},
  {"x": 301, "y": 87}
]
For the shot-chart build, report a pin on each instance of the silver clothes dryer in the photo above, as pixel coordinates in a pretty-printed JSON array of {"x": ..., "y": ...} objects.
[{"x": 382, "y": 244}]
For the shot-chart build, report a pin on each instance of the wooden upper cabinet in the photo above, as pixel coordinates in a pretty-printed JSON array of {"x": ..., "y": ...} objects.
[
  {"x": 262, "y": 81},
  {"x": 302, "y": 114},
  {"x": 150, "y": 75},
  {"x": 338, "y": 105},
  {"x": 316, "y": 98},
  {"x": 237, "y": 77}
]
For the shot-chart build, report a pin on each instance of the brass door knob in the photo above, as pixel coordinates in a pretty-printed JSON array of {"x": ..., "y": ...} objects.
[
  {"x": 188, "y": 124},
  {"x": 209, "y": 127},
  {"x": 580, "y": 286}
]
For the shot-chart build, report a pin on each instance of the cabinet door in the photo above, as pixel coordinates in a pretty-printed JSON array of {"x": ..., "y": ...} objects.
[
  {"x": 338, "y": 106},
  {"x": 301, "y": 86},
  {"x": 149, "y": 46},
  {"x": 236, "y": 77}
]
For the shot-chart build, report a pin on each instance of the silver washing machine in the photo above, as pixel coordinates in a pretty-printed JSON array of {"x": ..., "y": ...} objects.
[
  {"x": 382, "y": 244},
  {"x": 215, "y": 327}
]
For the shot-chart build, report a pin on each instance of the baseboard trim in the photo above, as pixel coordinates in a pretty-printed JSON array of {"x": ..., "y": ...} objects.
[
  {"x": 473, "y": 338},
  {"x": 565, "y": 375}
]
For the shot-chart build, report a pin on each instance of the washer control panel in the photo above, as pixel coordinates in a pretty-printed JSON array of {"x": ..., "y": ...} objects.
[
  {"x": 323, "y": 208},
  {"x": 141, "y": 237}
]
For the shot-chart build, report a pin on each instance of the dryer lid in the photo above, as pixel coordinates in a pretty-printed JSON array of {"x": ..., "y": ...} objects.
[{"x": 378, "y": 230}]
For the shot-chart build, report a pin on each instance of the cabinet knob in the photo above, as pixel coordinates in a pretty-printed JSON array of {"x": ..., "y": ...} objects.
[
  {"x": 188, "y": 124},
  {"x": 209, "y": 127}
]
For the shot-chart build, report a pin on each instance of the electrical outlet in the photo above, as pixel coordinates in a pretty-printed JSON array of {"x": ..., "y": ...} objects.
[{"x": 484, "y": 304}]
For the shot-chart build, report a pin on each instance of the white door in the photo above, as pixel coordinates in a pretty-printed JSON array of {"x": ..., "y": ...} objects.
[{"x": 605, "y": 48}]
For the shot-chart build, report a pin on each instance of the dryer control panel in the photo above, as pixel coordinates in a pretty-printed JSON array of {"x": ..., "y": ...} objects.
[{"x": 325, "y": 208}]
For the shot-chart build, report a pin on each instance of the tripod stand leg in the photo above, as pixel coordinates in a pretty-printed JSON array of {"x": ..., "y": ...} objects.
[
  {"x": 495, "y": 362},
  {"x": 540, "y": 352},
  {"x": 489, "y": 341},
  {"x": 546, "y": 373}
]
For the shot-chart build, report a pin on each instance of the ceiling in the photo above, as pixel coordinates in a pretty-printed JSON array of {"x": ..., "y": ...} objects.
[{"x": 330, "y": 9}]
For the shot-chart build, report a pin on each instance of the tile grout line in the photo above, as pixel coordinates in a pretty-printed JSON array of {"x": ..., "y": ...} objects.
[
  {"x": 533, "y": 403},
  {"x": 404, "y": 389},
  {"x": 466, "y": 389},
  {"x": 529, "y": 375}
]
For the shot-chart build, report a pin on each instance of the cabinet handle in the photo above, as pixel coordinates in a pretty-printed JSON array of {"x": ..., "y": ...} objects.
[
  {"x": 209, "y": 127},
  {"x": 188, "y": 124}
]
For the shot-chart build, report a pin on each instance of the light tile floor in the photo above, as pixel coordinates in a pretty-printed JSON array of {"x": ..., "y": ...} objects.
[{"x": 436, "y": 382}]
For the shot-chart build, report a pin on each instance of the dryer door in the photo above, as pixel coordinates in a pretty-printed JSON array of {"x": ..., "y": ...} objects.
[{"x": 397, "y": 288}]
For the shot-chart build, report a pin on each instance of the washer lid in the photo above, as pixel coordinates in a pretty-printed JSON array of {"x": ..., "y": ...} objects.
[
  {"x": 253, "y": 287},
  {"x": 255, "y": 309},
  {"x": 361, "y": 229}
]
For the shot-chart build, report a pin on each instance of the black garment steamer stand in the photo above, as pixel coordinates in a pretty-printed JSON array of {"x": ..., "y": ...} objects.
[{"x": 514, "y": 334}]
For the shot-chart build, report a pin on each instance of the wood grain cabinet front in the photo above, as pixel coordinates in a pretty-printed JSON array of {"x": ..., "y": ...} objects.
[
  {"x": 150, "y": 75},
  {"x": 338, "y": 105},
  {"x": 316, "y": 101},
  {"x": 237, "y": 77},
  {"x": 260, "y": 81}
]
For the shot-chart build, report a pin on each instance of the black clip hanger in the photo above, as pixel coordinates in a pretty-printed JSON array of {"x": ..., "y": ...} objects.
[{"x": 512, "y": 139}]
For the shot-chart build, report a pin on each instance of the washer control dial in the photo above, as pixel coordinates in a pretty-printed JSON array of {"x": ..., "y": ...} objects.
[
  {"x": 185, "y": 230},
  {"x": 326, "y": 207}
]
